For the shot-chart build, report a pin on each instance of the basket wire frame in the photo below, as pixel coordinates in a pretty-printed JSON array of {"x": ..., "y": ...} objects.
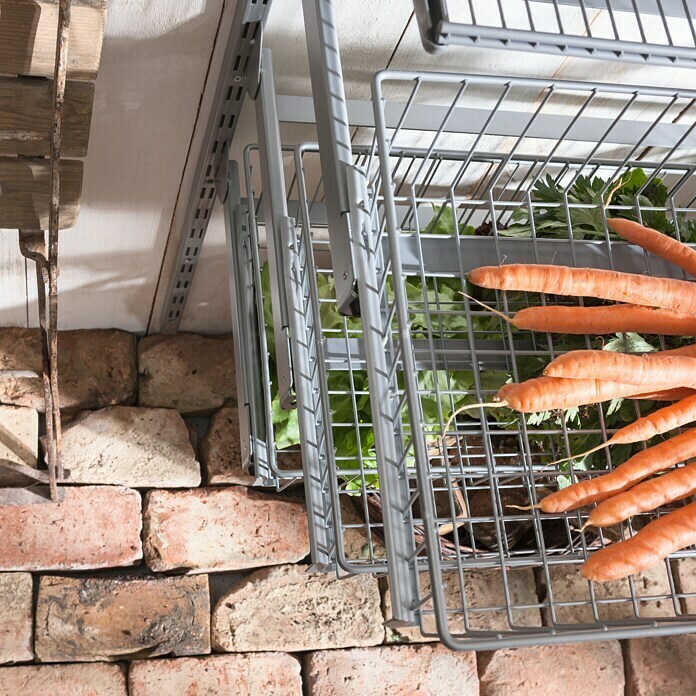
[
  {"x": 266, "y": 458},
  {"x": 490, "y": 460},
  {"x": 346, "y": 529},
  {"x": 652, "y": 32},
  {"x": 308, "y": 265}
]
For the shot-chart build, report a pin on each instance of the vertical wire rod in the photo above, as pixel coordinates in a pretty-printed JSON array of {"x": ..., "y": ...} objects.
[
  {"x": 33, "y": 247},
  {"x": 59, "y": 76}
]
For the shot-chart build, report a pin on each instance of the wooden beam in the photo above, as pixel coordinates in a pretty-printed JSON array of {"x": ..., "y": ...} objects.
[
  {"x": 25, "y": 193},
  {"x": 26, "y": 116},
  {"x": 28, "y": 37}
]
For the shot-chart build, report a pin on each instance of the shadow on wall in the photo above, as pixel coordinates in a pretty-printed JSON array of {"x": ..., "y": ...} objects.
[
  {"x": 208, "y": 307},
  {"x": 115, "y": 279},
  {"x": 208, "y": 304}
]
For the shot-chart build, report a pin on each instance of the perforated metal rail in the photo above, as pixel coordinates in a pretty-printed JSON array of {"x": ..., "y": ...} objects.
[{"x": 238, "y": 73}]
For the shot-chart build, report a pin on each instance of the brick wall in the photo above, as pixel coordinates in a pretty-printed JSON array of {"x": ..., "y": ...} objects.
[{"x": 160, "y": 575}]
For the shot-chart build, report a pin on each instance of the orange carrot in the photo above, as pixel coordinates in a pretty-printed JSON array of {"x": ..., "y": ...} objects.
[
  {"x": 677, "y": 295},
  {"x": 553, "y": 393},
  {"x": 550, "y": 393},
  {"x": 666, "y": 394},
  {"x": 641, "y": 465},
  {"x": 647, "y": 548},
  {"x": 647, "y": 427},
  {"x": 618, "y": 318},
  {"x": 655, "y": 242},
  {"x": 684, "y": 350},
  {"x": 671, "y": 394},
  {"x": 641, "y": 370},
  {"x": 646, "y": 496}
]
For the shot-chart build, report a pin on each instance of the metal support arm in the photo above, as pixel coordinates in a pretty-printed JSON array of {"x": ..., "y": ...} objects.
[
  {"x": 334, "y": 143},
  {"x": 275, "y": 211}
]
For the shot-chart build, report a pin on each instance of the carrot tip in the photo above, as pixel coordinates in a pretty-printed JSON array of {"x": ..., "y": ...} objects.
[
  {"x": 468, "y": 407},
  {"x": 524, "y": 507},
  {"x": 586, "y": 525},
  {"x": 578, "y": 456},
  {"x": 488, "y": 307}
]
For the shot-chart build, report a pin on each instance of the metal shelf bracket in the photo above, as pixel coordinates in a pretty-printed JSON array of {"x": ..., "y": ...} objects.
[{"x": 211, "y": 169}]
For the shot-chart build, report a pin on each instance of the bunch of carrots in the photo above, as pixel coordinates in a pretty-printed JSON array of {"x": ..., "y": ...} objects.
[{"x": 652, "y": 305}]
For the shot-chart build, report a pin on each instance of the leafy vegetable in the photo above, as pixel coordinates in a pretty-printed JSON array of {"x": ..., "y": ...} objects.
[
  {"x": 443, "y": 223},
  {"x": 588, "y": 222},
  {"x": 286, "y": 429},
  {"x": 436, "y": 310}
]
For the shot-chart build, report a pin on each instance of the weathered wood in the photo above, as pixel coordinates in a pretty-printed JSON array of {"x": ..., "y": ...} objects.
[
  {"x": 24, "y": 470},
  {"x": 25, "y": 193},
  {"x": 26, "y": 113},
  {"x": 28, "y": 37}
]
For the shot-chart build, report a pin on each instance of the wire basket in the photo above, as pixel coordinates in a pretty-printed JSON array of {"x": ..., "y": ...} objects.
[
  {"x": 330, "y": 430},
  {"x": 658, "y": 32},
  {"x": 257, "y": 381},
  {"x": 528, "y": 188}
]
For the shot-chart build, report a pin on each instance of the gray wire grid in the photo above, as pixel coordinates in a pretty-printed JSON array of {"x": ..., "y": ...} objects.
[
  {"x": 508, "y": 577},
  {"x": 346, "y": 528},
  {"x": 659, "y": 32},
  {"x": 272, "y": 466}
]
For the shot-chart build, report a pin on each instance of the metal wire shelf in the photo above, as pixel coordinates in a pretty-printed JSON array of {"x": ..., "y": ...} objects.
[
  {"x": 601, "y": 133},
  {"x": 659, "y": 32}
]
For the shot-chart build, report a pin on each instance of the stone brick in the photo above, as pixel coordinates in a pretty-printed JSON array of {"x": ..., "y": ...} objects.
[
  {"x": 94, "y": 527},
  {"x": 16, "y": 619},
  {"x": 660, "y": 666},
  {"x": 209, "y": 529},
  {"x": 357, "y": 543},
  {"x": 425, "y": 670},
  {"x": 97, "y": 368},
  {"x": 130, "y": 446},
  {"x": 221, "y": 450},
  {"x": 19, "y": 442},
  {"x": 287, "y": 609},
  {"x": 90, "y": 619},
  {"x": 256, "y": 674},
  {"x": 567, "y": 585},
  {"x": 193, "y": 437},
  {"x": 485, "y": 597},
  {"x": 685, "y": 577},
  {"x": 580, "y": 669},
  {"x": 63, "y": 680},
  {"x": 189, "y": 372}
]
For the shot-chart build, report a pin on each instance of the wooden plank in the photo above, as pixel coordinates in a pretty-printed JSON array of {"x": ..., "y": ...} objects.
[
  {"x": 28, "y": 37},
  {"x": 25, "y": 193},
  {"x": 26, "y": 113}
]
